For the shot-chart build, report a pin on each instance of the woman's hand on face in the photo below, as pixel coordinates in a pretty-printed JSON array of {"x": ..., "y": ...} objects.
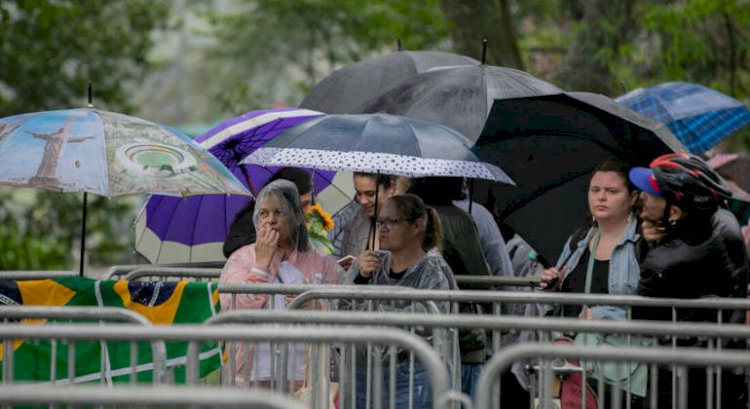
[
  {"x": 652, "y": 232},
  {"x": 551, "y": 278},
  {"x": 369, "y": 261},
  {"x": 265, "y": 245}
]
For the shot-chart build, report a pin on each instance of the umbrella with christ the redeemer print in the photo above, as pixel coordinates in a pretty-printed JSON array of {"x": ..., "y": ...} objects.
[
  {"x": 172, "y": 230},
  {"x": 108, "y": 154}
]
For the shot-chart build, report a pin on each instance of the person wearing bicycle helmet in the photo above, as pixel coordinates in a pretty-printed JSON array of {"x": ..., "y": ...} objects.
[{"x": 696, "y": 250}]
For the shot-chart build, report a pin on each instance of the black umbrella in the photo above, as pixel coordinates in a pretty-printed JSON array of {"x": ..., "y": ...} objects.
[
  {"x": 458, "y": 97},
  {"x": 549, "y": 145},
  {"x": 348, "y": 88}
]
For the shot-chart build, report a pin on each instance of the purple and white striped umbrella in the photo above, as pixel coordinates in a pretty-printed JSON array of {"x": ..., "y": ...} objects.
[{"x": 173, "y": 230}]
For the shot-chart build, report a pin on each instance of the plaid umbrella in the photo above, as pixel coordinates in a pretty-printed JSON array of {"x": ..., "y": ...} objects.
[{"x": 699, "y": 116}]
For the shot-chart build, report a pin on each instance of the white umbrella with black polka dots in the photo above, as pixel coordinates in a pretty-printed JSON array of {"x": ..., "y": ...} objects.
[{"x": 377, "y": 143}]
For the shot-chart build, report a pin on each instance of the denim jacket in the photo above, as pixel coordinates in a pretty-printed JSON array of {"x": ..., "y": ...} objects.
[{"x": 624, "y": 271}]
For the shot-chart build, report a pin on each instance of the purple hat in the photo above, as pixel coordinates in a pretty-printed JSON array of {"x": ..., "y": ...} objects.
[{"x": 643, "y": 179}]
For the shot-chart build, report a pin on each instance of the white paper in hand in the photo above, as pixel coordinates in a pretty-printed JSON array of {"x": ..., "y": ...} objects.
[{"x": 288, "y": 274}]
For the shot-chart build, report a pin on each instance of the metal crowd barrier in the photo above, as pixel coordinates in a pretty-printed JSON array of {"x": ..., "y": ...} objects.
[
  {"x": 74, "y": 313},
  {"x": 498, "y": 281},
  {"x": 21, "y": 275},
  {"x": 678, "y": 358},
  {"x": 337, "y": 337},
  {"x": 142, "y": 397},
  {"x": 119, "y": 271},
  {"x": 173, "y": 273},
  {"x": 497, "y": 298},
  {"x": 68, "y": 313},
  {"x": 652, "y": 329}
]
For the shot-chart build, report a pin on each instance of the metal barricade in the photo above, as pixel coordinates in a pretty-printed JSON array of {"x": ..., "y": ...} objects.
[
  {"x": 498, "y": 281},
  {"x": 678, "y": 358},
  {"x": 79, "y": 314},
  {"x": 17, "y": 312},
  {"x": 119, "y": 271},
  {"x": 21, "y": 275},
  {"x": 200, "y": 274},
  {"x": 337, "y": 337},
  {"x": 440, "y": 338},
  {"x": 141, "y": 397},
  {"x": 498, "y": 297},
  {"x": 657, "y": 330}
]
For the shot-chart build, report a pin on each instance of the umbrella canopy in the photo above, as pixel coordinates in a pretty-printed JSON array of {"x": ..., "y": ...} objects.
[
  {"x": 458, "y": 97},
  {"x": 193, "y": 229},
  {"x": 350, "y": 87},
  {"x": 699, "y": 116},
  {"x": 733, "y": 167},
  {"x": 550, "y": 145},
  {"x": 108, "y": 154},
  {"x": 377, "y": 143}
]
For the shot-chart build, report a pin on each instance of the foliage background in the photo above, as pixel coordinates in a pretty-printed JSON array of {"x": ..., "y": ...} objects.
[{"x": 192, "y": 63}]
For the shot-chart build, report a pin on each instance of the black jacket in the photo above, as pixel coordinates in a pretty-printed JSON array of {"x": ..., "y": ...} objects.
[
  {"x": 242, "y": 231},
  {"x": 699, "y": 258}
]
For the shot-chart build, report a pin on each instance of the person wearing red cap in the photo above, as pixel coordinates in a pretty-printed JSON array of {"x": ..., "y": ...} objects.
[{"x": 696, "y": 250}]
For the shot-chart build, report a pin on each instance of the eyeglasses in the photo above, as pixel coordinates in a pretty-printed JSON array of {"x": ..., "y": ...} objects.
[{"x": 389, "y": 222}]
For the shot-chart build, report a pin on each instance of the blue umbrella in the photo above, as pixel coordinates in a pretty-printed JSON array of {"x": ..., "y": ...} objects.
[{"x": 699, "y": 116}]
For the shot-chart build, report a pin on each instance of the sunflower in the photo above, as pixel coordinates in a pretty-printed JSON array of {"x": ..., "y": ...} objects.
[
  {"x": 317, "y": 212},
  {"x": 318, "y": 222}
]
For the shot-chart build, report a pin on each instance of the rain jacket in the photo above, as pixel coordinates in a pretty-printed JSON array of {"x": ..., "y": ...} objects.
[
  {"x": 242, "y": 269},
  {"x": 356, "y": 233},
  {"x": 430, "y": 272}
]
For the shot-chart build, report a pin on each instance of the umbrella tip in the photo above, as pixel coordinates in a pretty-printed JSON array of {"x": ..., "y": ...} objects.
[
  {"x": 91, "y": 94},
  {"x": 398, "y": 45},
  {"x": 484, "y": 51}
]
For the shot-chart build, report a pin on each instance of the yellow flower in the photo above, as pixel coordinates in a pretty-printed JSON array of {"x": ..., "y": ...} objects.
[{"x": 323, "y": 216}]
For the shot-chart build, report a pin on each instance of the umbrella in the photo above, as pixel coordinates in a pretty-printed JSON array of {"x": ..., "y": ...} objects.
[
  {"x": 108, "y": 154},
  {"x": 377, "y": 143},
  {"x": 550, "y": 145},
  {"x": 193, "y": 229},
  {"x": 348, "y": 88},
  {"x": 699, "y": 116},
  {"x": 733, "y": 167},
  {"x": 458, "y": 97}
]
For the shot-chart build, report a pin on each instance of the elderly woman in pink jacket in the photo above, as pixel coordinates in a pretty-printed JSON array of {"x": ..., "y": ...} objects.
[{"x": 282, "y": 254}]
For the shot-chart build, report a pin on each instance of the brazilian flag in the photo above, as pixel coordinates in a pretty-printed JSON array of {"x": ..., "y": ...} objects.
[{"x": 162, "y": 303}]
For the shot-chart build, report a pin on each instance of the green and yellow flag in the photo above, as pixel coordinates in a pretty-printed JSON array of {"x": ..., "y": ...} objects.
[{"x": 162, "y": 303}]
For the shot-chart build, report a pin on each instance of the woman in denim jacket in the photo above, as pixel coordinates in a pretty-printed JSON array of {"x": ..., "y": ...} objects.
[{"x": 614, "y": 238}]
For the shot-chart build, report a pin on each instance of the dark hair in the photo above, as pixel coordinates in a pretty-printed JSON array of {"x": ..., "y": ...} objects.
[
  {"x": 617, "y": 166},
  {"x": 298, "y": 176},
  {"x": 621, "y": 168},
  {"x": 411, "y": 208},
  {"x": 439, "y": 190},
  {"x": 379, "y": 178}
]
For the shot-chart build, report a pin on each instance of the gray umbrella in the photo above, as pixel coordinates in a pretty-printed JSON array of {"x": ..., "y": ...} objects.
[
  {"x": 458, "y": 97},
  {"x": 346, "y": 90}
]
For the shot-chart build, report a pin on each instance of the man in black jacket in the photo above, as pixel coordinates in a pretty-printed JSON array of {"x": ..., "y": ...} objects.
[{"x": 696, "y": 250}]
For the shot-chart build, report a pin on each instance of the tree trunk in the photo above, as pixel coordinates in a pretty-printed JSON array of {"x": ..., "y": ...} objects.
[
  {"x": 605, "y": 26},
  {"x": 475, "y": 20}
]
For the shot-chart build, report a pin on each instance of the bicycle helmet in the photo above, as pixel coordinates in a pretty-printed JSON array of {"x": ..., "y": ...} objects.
[{"x": 684, "y": 180}]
